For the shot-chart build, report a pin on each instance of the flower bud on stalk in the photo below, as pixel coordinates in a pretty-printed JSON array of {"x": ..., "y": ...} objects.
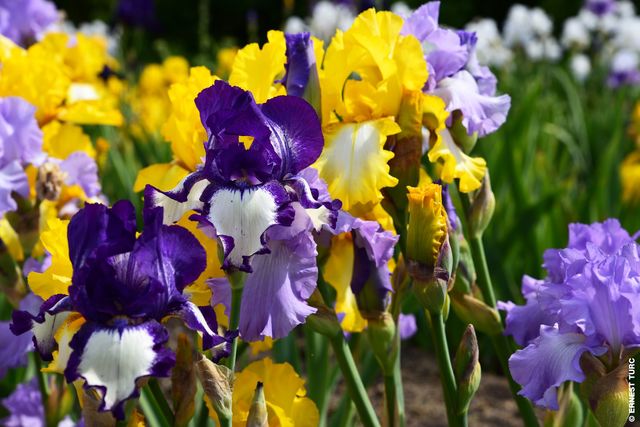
[
  {"x": 460, "y": 134},
  {"x": 465, "y": 277},
  {"x": 471, "y": 310},
  {"x": 429, "y": 256},
  {"x": 324, "y": 321},
  {"x": 466, "y": 367},
  {"x": 217, "y": 382},
  {"x": 609, "y": 397},
  {"x": 482, "y": 207},
  {"x": 183, "y": 382},
  {"x": 258, "y": 415},
  {"x": 381, "y": 332}
]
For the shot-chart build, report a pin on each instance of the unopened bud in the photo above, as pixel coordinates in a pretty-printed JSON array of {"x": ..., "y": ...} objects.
[
  {"x": 183, "y": 382},
  {"x": 381, "y": 332},
  {"x": 609, "y": 397},
  {"x": 258, "y": 415},
  {"x": 460, "y": 134},
  {"x": 471, "y": 310},
  {"x": 466, "y": 367},
  {"x": 217, "y": 382},
  {"x": 482, "y": 207},
  {"x": 465, "y": 276},
  {"x": 569, "y": 411},
  {"x": 430, "y": 285},
  {"x": 50, "y": 181},
  {"x": 324, "y": 321}
]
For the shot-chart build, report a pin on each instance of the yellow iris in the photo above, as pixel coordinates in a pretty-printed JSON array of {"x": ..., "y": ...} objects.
[
  {"x": 284, "y": 391},
  {"x": 57, "y": 278},
  {"x": 427, "y": 227}
]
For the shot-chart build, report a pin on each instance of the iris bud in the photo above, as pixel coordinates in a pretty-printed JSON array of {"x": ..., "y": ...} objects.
[
  {"x": 472, "y": 310},
  {"x": 482, "y": 207},
  {"x": 258, "y": 416},
  {"x": 324, "y": 321},
  {"x": 183, "y": 382},
  {"x": 465, "y": 276},
  {"x": 460, "y": 134},
  {"x": 609, "y": 397},
  {"x": 466, "y": 367},
  {"x": 381, "y": 332},
  {"x": 217, "y": 382},
  {"x": 429, "y": 255}
]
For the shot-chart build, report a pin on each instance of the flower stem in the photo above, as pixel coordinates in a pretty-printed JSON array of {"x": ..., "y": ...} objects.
[
  {"x": 447, "y": 377},
  {"x": 158, "y": 395},
  {"x": 42, "y": 382},
  {"x": 151, "y": 409},
  {"x": 234, "y": 318},
  {"x": 390, "y": 398},
  {"x": 354, "y": 382}
]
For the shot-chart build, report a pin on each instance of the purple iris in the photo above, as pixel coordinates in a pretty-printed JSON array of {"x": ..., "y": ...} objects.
[
  {"x": 14, "y": 350},
  {"x": 301, "y": 62},
  {"x": 138, "y": 13},
  {"x": 454, "y": 72},
  {"x": 123, "y": 286},
  {"x": 25, "y": 21},
  {"x": 258, "y": 196},
  {"x": 589, "y": 302},
  {"x": 20, "y": 145}
]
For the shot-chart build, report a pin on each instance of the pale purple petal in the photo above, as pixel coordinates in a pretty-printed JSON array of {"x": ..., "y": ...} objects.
[
  {"x": 20, "y": 135},
  {"x": 12, "y": 179},
  {"x": 546, "y": 363},
  {"x": 25, "y": 21},
  {"x": 407, "y": 326},
  {"x": 82, "y": 170},
  {"x": 24, "y": 406}
]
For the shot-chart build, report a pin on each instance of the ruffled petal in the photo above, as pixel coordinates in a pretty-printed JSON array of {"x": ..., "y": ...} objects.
[
  {"x": 258, "y": 69},
  {"x": 163, "y": 176},
  {"x": 82, "y": 170},
  {"x": 242, "y": 216},
  {"x": 12, "y": 179},
  {"x": 275, "y": 294},
  {"x": 546, "y": 363},
  {"x": 44, "y": 325},
  {"x": 354, "y": 161},
  {"x": 178, "y": 201},
  {"x": 57, "y": 277},
  {"x": 20, "y": 136},
  {"x": 111, "y": 360},
  {"x": 481, "y": 113},
  {"x": 456, "y": 164}
]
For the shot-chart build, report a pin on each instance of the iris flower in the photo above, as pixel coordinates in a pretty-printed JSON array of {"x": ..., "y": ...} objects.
[
  {"x": 25, "y": 21},
  {"x": 256, "y": 194},
  {"x": 122, "y": 288},
  {"x": 588, "y": 303}
]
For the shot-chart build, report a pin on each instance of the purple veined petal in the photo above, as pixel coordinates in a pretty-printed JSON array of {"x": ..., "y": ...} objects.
[
  {"x": 98, "y": 231},
  {"x": 296, "y": 133},
  {"x": 203, "y": 320},
  {"x": 112, "y": 359},
  {"x": 220, "y": 293},
  {"x": 301, "y": 61},
  {"x": 407, "y": 326},
  {"x": 182, "y": 199},
  {"x": 546, "y": 363},
  {"x": 24, "y": 406},
  {"x": 378, "y": 243},
  {"x": 242, "y": 216},
  {"x": 12, "y": 179},
  {"x": 20, "y": 135},
  {"x": 82, "y": 170},
  {"x": 314, "y": 197},
  {"x": 275, "y": 294},
  {"x": 597, "y": 306},
  {"x": 481, "y": 113},
  {"x": 43, "y": 324},
  {"x": 608, "y": 236}
]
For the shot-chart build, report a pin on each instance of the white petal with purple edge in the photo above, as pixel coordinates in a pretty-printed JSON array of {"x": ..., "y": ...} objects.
[
  {"x": 174, "y": 209},
  {"x": 44, "y": 332},
  {"x": 243, "y": 215},
  {"x": 113, "y": 359}
]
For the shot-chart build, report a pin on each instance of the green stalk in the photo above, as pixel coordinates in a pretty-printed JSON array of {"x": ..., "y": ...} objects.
[
  {"x": 152, "y": 411},
  {"x": 447, "y": 378},
  {"x": 154, "y": 388},
  {"x": 234, "y": 318},
  {"x": 354, "y": 383},
  {"x": 500, "y": 342},
  {"x": 42, "y": 383},
  {"x": 390, "y": 398}
]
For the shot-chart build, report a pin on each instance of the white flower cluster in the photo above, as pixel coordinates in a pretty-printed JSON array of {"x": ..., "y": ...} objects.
[
  {"x": 325, "y": 19},
  {"x": 531, "y": 30}
]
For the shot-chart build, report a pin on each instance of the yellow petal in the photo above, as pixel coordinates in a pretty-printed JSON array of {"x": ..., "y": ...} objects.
[
  {"x": 256, "y": 69},
  {"x": 456, "y": 164},
  {"x": 164, "y": 176},
  {"x": 354, "y": 161},
  {"x": 337, "y": 272},
  {"x": 630, "y": 177},
  {"x": 60, "y": 140},
  {"x": 176, "y": 69},
  {"x": 183, "y": 127},
  {"x": 11, "y": 240},
  {"x": 63, "y": 336},
  {"x": 258, "y": 347},
  {"x": 57, "y": 278},
  {"x": 98, "y": 112}
]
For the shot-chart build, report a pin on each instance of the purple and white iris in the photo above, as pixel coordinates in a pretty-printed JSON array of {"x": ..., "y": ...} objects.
[
  {"x": 589, "y": 302},
  {"x": 123, "y": 286},
  {"x": 454, "y": 72},
  {"x": 257, "y": 194}
]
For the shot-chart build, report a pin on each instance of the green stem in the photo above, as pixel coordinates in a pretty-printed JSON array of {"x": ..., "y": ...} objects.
[
  {"x": 354, "y": 382},
  {"x": 158, "y": 395},
  {"x": 152, "y": 411},
  {"x": 390, "y": 399},
  {"x": 447, "y": 377},
  {"x": 42, "y": 382},
  {"x": 397, "y": 376},
  {"x": 236, "y": 298},
  {"x": 480, "y": 262}
]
